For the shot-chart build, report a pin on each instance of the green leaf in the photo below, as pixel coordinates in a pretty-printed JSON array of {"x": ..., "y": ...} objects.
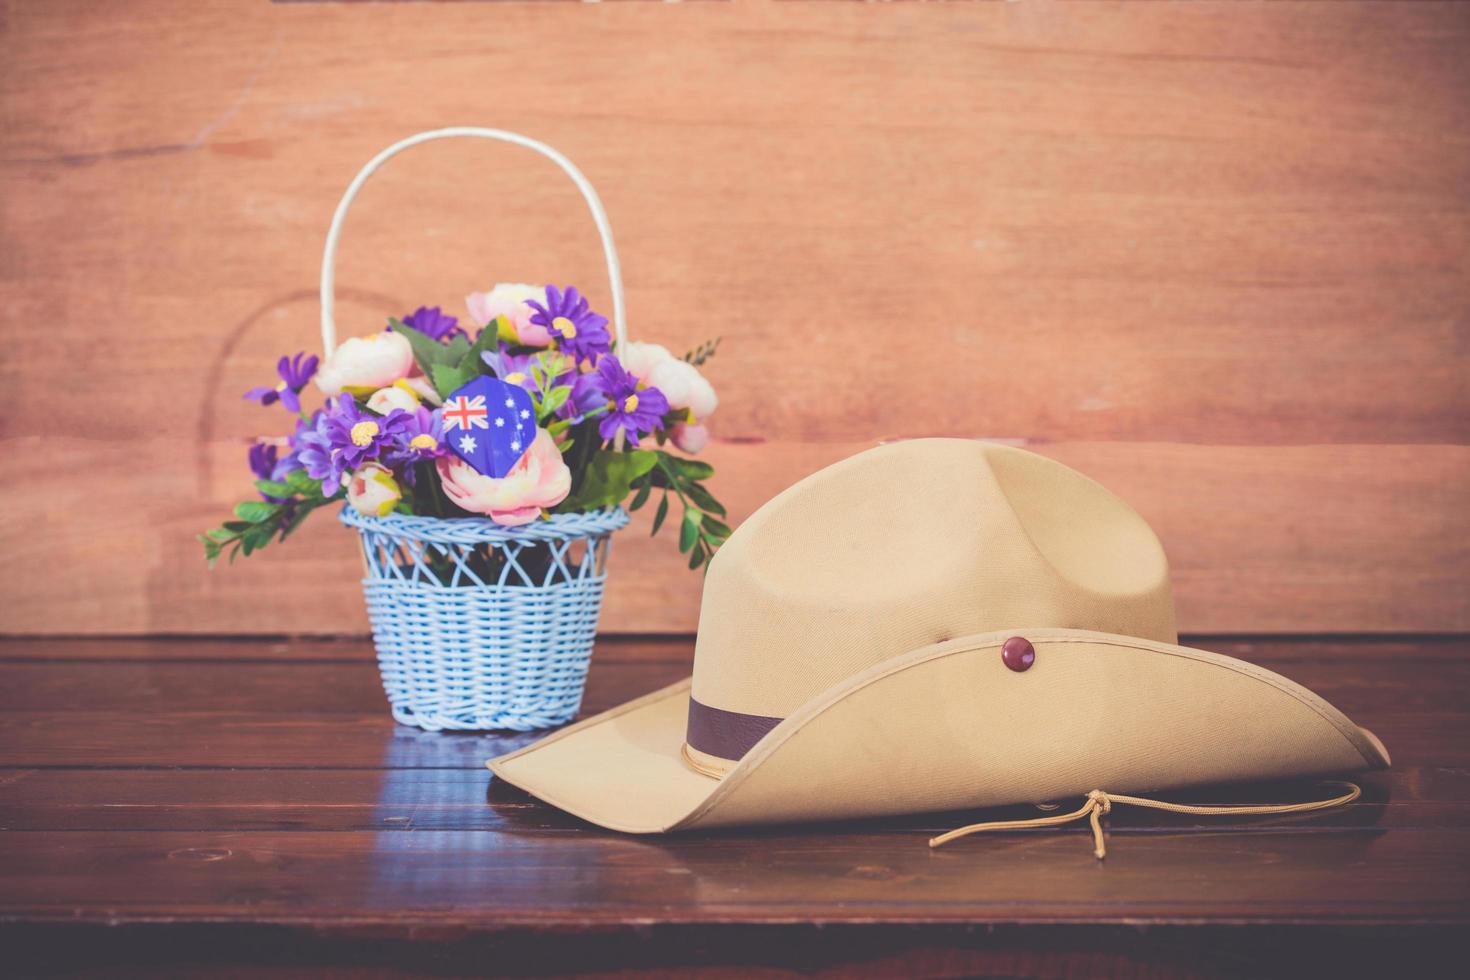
[
  {"x": 693, "y": 469},
  {"x": 218, "y": 534},
  {"x": 696, "y": 558},
  {"x": 237, "y": 526},
  {"x": 274, "y": 489},
  {"x": 704, "y": 499},
  {"x": 257, "y": 537},
  {"x": 456, "y": 349},
  {"x": 641, "y": 497},
  {"x": 555, "y": 398},
  {"x": 718, "y": 529},
  {"x": 446, "y": 378},
  {"x": 608, "y": 478},
  {"x": 688, "y": 530},
  {"x": 298, "y": 481},
  {"x": 660, "y": 514},
  {"x": 471, "y": 363},
  {"x": 256, "y": 511},
  {"x": 426, "y": 350}
]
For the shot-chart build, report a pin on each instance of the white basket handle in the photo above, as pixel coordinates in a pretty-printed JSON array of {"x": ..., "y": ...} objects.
[{"x": 329, "y": 256}]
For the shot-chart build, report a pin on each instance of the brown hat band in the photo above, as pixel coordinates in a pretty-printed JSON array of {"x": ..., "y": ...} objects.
[{"x": 725, "y": 735}]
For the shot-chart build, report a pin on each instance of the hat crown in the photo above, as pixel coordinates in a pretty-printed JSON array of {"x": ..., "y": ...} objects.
[{"x": 914, "y": 543}]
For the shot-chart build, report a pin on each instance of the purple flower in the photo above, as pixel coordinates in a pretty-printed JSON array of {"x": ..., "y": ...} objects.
[
  {"x": 263, "y": 460},
  {"x": 513, "y": 369},
  {"x": 420, "y": 438},
  {"x": 577, "y": 330},
  {"x": 295, "y": 372},
  {"x": 587, "y": 394},
  {"x": 265, "y": 466},
  {"x": 304, "y": 426},
  {"x": 345, "y": 437},
  {"x": 637, "y": 411},
  {"x": 433, "y": 323}
]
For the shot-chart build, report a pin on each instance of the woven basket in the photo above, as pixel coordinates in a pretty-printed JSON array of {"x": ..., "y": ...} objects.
[
  {"x": 479, "y": 626},
  {"x": 482, "y": 627}
]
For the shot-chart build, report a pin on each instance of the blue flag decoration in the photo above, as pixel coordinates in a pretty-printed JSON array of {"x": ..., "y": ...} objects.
[{"x": 489, "y": 424}]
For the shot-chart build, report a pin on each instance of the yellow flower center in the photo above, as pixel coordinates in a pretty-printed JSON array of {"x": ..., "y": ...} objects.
[
  {"x": 402, "y": 385},
  {"x": 281, "y": 386},
  {"x": 363, "y": 432},
  {"x": 565, "y": 327},
  {"x": 424, "y": 441},
  {"x": 516, "y": 377},
  {"x": 630, "y": 403}
]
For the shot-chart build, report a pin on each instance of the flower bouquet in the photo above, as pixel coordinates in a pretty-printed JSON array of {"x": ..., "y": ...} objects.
[{"x": 485, "y": 464}]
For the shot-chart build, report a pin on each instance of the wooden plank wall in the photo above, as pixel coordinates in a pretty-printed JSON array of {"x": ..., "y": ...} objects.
[{"x": 1213, "y": 254}]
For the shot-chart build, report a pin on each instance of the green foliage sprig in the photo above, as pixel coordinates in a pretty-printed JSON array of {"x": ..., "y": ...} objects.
[
  {"x": 701, "y": 530},
  {"x": 258, "y": 522},
  {"x": 703, "y": 352}
]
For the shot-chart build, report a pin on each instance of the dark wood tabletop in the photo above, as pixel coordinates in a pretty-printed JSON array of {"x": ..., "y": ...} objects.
[{"x": 169, "y": 806}]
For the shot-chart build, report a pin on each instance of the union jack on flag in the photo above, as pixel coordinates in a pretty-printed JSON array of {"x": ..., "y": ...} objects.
[
  {"x": 505, "y": 417},
  {"x": 466, "y": 413}
]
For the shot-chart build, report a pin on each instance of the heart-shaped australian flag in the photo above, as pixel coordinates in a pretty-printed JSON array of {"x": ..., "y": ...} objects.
[{"x": 489, "y": 424}]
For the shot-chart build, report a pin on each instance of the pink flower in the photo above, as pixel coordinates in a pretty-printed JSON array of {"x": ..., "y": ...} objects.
[
  {"x": 690, "y": 437},
  {"x": 372, "y": 491},
  {"x": 362, "y": 365},
  {"x": 508, "y": 299},
  {"x": 539, "y": 480},
  {"x": 419, "y": 385}
]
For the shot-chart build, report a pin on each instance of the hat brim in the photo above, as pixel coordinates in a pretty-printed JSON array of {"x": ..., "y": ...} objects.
[
  {"x": 949, "y": 727},
  {"x": 621, "y": 769}
]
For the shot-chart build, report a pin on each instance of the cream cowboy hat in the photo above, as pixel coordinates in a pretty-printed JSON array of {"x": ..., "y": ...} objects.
[{"x": 935, "y": 625}]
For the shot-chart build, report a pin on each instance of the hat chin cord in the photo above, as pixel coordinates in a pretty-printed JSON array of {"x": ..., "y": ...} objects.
[{"x": 1100, "y": 804}]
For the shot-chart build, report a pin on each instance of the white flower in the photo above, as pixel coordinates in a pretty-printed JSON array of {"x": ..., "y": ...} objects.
[
  {"x": 372, "y": 491},
  {"x": 399, "y": 395},
  {"x": 364, "y": 364}
]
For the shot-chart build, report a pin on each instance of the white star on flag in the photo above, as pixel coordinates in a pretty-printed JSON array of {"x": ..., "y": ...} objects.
[
  {"x": 525, "y": 414},
  {"x": 500, "y": 423},
  {"x": 467, "y": 444},
  {"x": 510, "y": 403}
]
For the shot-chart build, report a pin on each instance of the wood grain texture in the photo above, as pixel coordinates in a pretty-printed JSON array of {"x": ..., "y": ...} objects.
[
  {"x": 165, "y": 836},
  {"x": 1213, "y": 255}
]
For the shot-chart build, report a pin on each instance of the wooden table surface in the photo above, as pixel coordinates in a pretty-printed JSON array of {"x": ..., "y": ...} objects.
[{"x": 172, "y": 805}]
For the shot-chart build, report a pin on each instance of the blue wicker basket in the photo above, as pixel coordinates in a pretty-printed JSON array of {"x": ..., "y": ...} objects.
[{"x": 482, "y": 627}]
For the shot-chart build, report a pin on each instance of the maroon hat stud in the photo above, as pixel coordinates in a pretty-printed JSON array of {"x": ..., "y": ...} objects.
[{"x": 1017, "y": 653}]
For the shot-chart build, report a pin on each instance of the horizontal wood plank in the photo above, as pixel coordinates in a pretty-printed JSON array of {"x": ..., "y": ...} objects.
[
  {"x": 372, "y": 741},
  {"x": 1213, "y": 255},
  {"x": 727, "y": 950},
  {"x": 614, "y": 879},
  {"x": 332, "y": 800}
]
